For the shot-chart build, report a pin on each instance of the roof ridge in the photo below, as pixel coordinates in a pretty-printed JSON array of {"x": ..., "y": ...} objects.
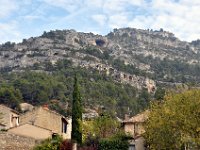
[
  {"x": 30, "y": 124},
  {"x": 10, "y": 108}
]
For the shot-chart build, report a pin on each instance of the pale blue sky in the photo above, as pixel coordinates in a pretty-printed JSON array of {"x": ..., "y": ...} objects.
[{"x": 26, "y": 18}]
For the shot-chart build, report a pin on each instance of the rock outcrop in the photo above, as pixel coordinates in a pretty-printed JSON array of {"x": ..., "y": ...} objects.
[{"x": 131, "y": 46}]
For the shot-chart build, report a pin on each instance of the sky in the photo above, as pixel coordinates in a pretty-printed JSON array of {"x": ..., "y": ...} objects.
[{"x": 20, "y": 19}]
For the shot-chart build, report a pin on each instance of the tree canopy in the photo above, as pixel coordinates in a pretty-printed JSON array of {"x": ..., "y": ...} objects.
[
  {"x": 103, "y": 126},
  {"x": 10, "y": 96},
  {"x": 175, "y": 122}
]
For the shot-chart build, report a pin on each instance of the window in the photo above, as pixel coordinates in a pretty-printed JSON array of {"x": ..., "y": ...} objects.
[
  {"x": 136, "y": 129},
  {"x": 64, "y": 127},
  {"x": 131, "y": 147}
]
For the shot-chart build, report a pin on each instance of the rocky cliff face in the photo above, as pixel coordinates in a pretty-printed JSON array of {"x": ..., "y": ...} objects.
[
  {"x": 159, "y": 44},
  {"x": 140, "y": 53}
]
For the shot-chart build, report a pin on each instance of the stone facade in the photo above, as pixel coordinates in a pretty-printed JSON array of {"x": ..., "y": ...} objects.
[
  {"x": 10, "y": 117},
  {"x": 45, "y": 118},
  {"x": 10, "y": 141}
]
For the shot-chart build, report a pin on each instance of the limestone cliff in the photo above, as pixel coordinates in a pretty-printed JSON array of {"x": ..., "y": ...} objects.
[{"x": 143, "y": 54}]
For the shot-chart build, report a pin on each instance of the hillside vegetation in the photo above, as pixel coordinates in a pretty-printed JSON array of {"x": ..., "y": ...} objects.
[{"x": 55, "y": 88}]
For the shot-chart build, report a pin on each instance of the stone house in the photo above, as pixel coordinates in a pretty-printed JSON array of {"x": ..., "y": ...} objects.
[
  {"x": 9, "y": 117},
  {"x": 42, "y": 123},
  {"x": 134, "y": 126}
]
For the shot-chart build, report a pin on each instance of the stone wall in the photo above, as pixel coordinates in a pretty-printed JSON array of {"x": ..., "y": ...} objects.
[{"x": 10, "y": 141}]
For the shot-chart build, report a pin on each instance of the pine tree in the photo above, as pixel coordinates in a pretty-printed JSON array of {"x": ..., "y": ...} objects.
[{"x": 76, "y": 114}]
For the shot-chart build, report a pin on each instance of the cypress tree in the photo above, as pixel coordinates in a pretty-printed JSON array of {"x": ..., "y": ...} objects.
[{"x": 76, "y": 114}]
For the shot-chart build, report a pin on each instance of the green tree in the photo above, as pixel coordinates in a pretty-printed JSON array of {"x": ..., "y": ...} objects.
[
  {"x": 106, "y": 133},
  {"x": 105, "y": 126},
  {"x": 76, "y": 114},
  {"x": 144, "y": 99},
  {"x": 174, "y": 123},
  {"x": 10, "y": 96},
  {"x": 159, "y": 94},
  {"x": 117, "y": 142}
]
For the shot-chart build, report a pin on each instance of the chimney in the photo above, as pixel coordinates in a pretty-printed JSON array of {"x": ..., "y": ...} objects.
[
  {"x": 45, "y": 106},
  {"x": 127, "y": 117}
]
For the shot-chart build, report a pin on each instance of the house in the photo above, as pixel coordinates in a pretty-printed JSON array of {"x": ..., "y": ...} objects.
[
  {"x": 134, "y": 126},
  {"x": 42, "y": 123},
  {"x": 9, "y": 117}
]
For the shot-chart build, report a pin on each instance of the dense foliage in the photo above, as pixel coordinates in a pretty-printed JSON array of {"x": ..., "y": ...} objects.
[
  {"x": 55, "y": 88},
  {"x": 56, "y": 143},
  {"x": 101, "y": 127},
  {"x": 117, "y": 142},
  {"x": 50, "y": 144},
  {"x": 10, "y": 96},
  {"x": 174, "y": 123}
]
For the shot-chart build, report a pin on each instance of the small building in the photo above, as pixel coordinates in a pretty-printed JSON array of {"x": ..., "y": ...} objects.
[
  {"x": 9, "y": 117},
  {"x": 41, "y": 123},
  {"x": 134, "y": 126}
]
